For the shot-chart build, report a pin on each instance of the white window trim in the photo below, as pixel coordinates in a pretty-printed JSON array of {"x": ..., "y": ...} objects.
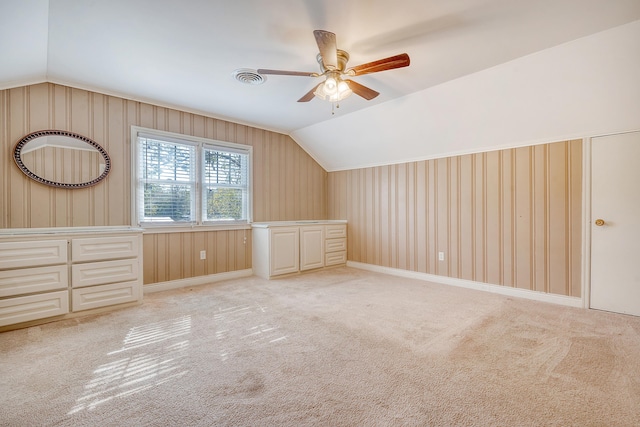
[{"x": 199, "y": 142}]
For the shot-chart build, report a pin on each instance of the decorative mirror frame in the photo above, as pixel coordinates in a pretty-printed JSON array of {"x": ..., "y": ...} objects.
[{"x": 18, "y": 149}]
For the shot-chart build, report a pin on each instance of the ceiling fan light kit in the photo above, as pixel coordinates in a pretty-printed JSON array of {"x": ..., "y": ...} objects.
[
  {"x": 333, "y": 89},
  {"x": 333, "y": 66}
]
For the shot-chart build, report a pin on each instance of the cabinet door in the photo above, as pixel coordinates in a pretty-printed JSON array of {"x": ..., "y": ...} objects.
[
  {"x": 311, "y": 247},
  {"x": 285, "y": 251}
]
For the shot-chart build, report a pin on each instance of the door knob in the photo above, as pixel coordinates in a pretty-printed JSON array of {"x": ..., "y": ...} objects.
[{"x": 599, "y": 222}]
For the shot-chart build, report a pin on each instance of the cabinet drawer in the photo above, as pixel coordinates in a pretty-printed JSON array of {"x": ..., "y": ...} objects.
[
  {"x": 335, "y": 258},
  {"x": 336, "y": 230},
  {"x": 104, "y": 248},
  {"x": 33, "y": 307},
  {"x": 104, "y": 295},
  {"x": 30, "y": 280},
  {"x": 334, "y": 245},
  {"x": 99, "y": 273},
  {"x": 32, "y": 254}
]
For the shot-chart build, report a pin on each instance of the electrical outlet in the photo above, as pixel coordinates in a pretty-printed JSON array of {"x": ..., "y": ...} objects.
[
  {"x": 441, "y": 256},
  {"x": 203, "y": 254}
]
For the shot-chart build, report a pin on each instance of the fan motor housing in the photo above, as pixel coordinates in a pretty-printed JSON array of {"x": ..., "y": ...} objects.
[{"x": 343, "y": 58}]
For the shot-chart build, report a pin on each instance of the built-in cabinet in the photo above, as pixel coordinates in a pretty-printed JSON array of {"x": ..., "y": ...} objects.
[
  {"x": 312, "y": 247},
  {"x": 281, "y": 248},
  {"x": 283, "y": 243},
  {"x": 63, "y": 272}
]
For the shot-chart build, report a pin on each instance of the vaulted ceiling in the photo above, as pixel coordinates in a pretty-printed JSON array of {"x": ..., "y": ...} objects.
[{"x": 183, "y": 53}]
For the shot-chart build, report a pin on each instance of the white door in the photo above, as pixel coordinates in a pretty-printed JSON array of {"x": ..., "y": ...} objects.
[
  {"x": 285, "y": 250},
  {"x": 311, "y": 247},
  {"x": 615, "y": 240}
]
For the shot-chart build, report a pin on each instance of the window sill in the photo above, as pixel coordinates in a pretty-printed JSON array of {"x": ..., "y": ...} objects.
[{"x": 165, "y": 229}]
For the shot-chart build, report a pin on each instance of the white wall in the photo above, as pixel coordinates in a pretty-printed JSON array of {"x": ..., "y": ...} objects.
[{"x": 586, "y": 87}]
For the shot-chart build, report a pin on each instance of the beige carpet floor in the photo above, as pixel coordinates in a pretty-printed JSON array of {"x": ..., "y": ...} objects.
[{"x": 340, "y": 347}]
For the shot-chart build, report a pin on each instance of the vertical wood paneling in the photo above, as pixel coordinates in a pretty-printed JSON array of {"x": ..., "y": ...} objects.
[
  {"x": 492, "y": 210},
  {"x": 466, "y": 197},
  {"x": 421, "y": 217},
  {"x": 432, "y": 235},
  {"x": 510, "y": 217},
  {"x": 402, "y": 208},
  {"x": 288, "y": 184},
  {"x": 557, "y": 224},
  {"x": 523, "y": 195},
  {"x": 384, "y": 183},
  {"x": 507, "y": 217},
  {"x": 478, "y": 208},
  {"x": 575, "y": 228},
  {"x": 442, "y": 215},
  {"x": 541, "y": 218}
]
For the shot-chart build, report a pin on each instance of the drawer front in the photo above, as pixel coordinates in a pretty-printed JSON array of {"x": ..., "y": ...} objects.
[
  {"x": 335, "y": 258},
  {"x": 104, "y": 248},
  {"x": 99, "y": 273},
  {"x": 335, "y": 231},
  {"x": 32, "y": 253},
  {"x": 335, "y": 245},
  {"x": 105, "y": 295},
  {"x": 31, "y": 280},
  {"x": 33, "y": 307}
]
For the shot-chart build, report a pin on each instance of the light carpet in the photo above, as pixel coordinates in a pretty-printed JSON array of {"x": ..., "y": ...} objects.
[{"x": 338, "y": 347}]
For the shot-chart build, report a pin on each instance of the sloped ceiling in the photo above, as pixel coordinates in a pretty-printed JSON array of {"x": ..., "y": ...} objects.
[{"x": 182, "y": 54}]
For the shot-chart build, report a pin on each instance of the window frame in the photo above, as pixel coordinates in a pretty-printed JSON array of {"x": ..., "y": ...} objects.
[{"x": 200, "y": 145}]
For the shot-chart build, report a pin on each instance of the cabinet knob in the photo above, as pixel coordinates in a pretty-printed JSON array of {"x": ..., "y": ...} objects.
[{"x": 599, "y": 222}]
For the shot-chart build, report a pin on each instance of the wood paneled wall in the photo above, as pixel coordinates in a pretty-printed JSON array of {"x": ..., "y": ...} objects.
[
  {"x": 509, "y": 217},
  {"x": 287, "y": 183},
  {"x": 225, "y": 251}
]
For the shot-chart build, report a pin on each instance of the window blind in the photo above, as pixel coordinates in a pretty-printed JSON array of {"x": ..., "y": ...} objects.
[{"x": 167, "y": 181}]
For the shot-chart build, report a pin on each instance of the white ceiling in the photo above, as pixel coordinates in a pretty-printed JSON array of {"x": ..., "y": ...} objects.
[{"x": 182, "y": 53}]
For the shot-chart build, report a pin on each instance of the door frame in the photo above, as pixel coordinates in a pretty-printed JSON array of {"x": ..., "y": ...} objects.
[{"x": 586, "y": 213}]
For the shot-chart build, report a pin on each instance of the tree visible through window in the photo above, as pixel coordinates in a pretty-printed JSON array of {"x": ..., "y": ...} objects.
[
  {"x": 170, "y": 177},
  {"x": 168, "y": 174},
  {"x": 225, "y": 185}
]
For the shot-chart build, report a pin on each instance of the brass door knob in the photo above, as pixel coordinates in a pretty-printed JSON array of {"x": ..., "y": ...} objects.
[{"x": 599, "y": 222}]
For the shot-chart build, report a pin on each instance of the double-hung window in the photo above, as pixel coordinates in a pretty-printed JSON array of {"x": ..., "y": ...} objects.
[{"x": 184, "y": 180}]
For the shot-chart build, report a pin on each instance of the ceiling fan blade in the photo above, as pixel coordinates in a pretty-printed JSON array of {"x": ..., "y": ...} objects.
[
  {"x": 361, "y": 90},
  {"x": 390, "y": 63},
  {"x": 287, "y": 73},
  {"x": 309, "y": 95},
  {"x": 328, "y": 48}
]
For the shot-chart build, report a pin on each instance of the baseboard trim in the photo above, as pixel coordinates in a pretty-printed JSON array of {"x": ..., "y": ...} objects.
[
  {"x": 196, "y": 281},
  {"x": 469, "y": 284}
]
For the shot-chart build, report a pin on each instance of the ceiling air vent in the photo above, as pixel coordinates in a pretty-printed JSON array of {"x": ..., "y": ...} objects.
[{"x": 248, "y": 76}]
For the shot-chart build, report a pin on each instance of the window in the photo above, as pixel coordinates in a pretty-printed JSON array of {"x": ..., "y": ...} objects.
[{"x": 183, "y": 180}]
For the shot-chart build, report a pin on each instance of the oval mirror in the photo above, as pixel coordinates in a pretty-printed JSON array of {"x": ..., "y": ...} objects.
[{"x": 61, "y": 159}]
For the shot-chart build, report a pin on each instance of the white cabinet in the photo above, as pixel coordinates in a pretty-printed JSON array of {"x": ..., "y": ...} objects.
[
  {"x": 60, "y": 272},
  {"x": 335, "y": 245},
  {"x": 285, "y": 247},
  {"x": 311, "y": 247},
  {"x": 33, "y": 280},
  {"x": 285, "y": 251}
]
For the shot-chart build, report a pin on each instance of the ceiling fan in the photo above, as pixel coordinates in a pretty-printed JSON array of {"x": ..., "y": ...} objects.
[{"x": 333, "y": 66}]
